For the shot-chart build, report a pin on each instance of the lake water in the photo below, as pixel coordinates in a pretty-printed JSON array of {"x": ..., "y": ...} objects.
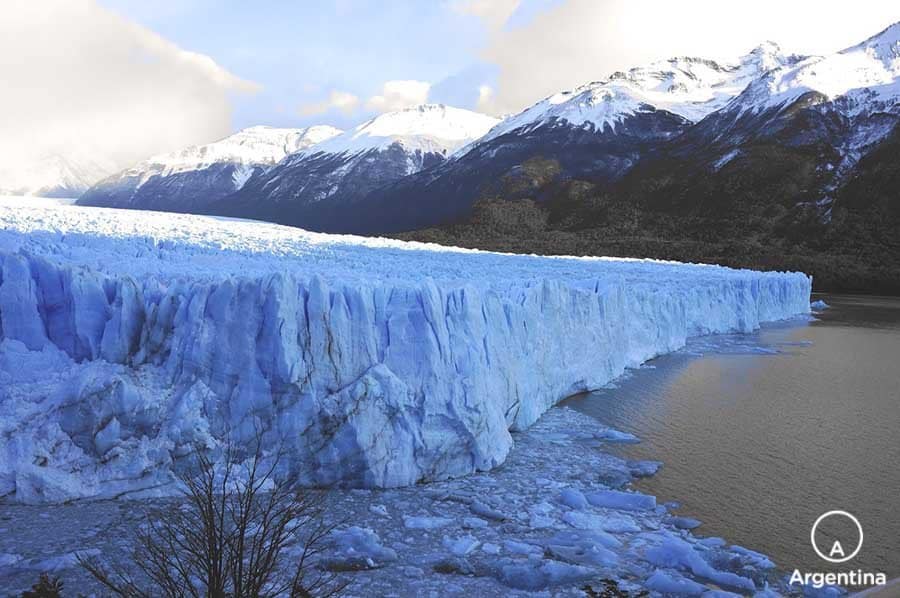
[{"x": 761, "y": 434}]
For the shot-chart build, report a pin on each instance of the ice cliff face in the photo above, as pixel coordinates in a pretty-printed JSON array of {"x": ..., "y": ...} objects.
[{"x": 127, "y": 339}]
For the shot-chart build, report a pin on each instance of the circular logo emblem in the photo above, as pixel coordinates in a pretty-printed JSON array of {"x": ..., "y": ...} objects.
[{"x": 836, "y": 553}]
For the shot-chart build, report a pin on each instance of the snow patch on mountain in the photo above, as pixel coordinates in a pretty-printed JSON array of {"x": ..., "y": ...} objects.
[
  {"x": 129, "y": 338},
  {"x": 691, "y": 88},
  {"x": 866, "y": 77},
  {"x": 254, "y": 146},
  {"x": 429, "y": 128}
]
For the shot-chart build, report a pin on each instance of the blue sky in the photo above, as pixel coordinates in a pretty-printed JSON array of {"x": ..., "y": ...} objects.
[
  {"x": 300, "y": 51},
  {"x": 328, "y": 61}
]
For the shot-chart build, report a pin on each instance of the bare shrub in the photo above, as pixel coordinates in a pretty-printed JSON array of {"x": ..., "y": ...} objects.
[
  {"x": 238, "y": 533},
  {"x": 46, "y": 587}
]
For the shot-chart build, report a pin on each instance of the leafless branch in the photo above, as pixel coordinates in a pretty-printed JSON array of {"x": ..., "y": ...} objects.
[{"x": 238, "y": 532}]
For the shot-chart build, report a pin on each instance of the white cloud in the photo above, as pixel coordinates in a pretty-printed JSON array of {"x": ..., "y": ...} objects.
[
  {"x": 485, "y": 97},
  {"x": 396, "y": 95},
  {"x": 80, "y": 78},
  {"x": 342, "y": 101},
  {"x": 585, "y": 40},
  {"x": 494, "y": 12}
]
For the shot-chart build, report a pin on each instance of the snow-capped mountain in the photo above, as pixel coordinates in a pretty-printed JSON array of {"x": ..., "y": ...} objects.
[
  {"x": 346, "y": 167},
  {"x": 252, "y": 146},
  {"x": 597, "y": 132},
  {"x": 865, "y": 76},
  {"x": 690, "y": 88},
  {"x": 198, "y": 175},
  {"x": 64, "y": 174},
  {"x": 677, "y": 124},
  {"x": 429, "y": 129},
  {"x": 799, "y": 171},
  {"x": 824, "y": 112}
]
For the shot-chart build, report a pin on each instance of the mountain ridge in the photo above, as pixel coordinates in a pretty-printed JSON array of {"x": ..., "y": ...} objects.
[
  {"x": 806, "y": 181},
  {"x": 666, "y": 158},
  {"x": 347, "y": 167},
  {"x": 191, "y": 179}
]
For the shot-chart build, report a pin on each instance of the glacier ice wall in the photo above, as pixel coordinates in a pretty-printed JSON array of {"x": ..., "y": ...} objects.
[{"x": 370, "y": 365}]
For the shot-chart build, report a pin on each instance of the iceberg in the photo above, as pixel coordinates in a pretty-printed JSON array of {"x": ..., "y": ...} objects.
[{"x": 128, "y": 339}]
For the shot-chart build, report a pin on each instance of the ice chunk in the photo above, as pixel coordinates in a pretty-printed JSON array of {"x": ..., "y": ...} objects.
[
  {"x": 486, "y": 511},
  {"x": 767, "y": 592},
  {"x": 616, "y": 499},
  {"x": 616, "y": 436},
  {"x": 426, "y": 522},
  {"x": 542, "y": 574},
  {"x": 572, "y": 498},
  {"x": 474, "y": 523},
  {"x": 684, "y": 522},
  {"x": 461, "y": 546},
  {"x": 672, "y": 583},
  {"x": 60, "y": 562},
  {"x": 586, "y": 538},
  {"x": 674, "y": 552},
  {"x": 756, "y": 559},
  {"x": 380, "y": 510},
  {"x": 644, "y": 469},
  {"x": 607, "y": 523},
  {"x": 583, "y": 552},
  {"x": 358, "y": 548},
  {"x": 515, "y": 547}
]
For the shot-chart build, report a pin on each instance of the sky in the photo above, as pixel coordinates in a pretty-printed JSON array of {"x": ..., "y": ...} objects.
[{"x": 130, "y": 78}]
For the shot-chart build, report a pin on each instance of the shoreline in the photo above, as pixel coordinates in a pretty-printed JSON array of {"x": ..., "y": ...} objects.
[{"x": 530, "y": 525}]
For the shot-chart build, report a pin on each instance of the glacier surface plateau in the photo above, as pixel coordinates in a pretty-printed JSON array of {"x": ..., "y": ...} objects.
[{"x": 128, "y": 339}]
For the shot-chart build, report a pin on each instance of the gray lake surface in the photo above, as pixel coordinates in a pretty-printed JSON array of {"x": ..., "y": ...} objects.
[{"x": 761, "y": 434}]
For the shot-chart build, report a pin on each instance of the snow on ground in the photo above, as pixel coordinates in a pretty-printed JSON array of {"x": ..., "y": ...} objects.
[
  {"x": 127, "y": 338},
  {"x": 544, "y": 534}
]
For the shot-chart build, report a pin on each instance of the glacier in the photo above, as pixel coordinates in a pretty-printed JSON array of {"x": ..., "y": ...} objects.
[{"x": 128, "y": 339}]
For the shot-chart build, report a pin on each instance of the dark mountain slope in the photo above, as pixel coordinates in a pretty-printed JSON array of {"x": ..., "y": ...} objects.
[
  {"x": 514, "y": 165},
  {"x": 756, "y": 211}
]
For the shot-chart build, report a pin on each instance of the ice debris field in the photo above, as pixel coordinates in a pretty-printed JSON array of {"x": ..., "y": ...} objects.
[
  {"x": 128, "y": 338},
  {"x": 558, "y": 519}
]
